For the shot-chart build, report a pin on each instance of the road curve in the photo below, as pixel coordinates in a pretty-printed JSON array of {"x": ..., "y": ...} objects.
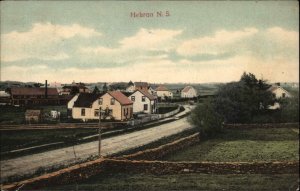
[{"x": 27, "y": 165}]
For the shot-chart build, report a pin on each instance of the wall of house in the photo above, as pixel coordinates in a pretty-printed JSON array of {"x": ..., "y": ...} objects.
[
  {"x": 116, "y": 108},
  {"x": 279, "y": 93},
  {"x": 127, "y": 112},
  {"x": 138, "y": 105},
  {"x": 190, "y": 94},
  {"x": 162, "y": 94},
  {"x": 76, "y": 113}
]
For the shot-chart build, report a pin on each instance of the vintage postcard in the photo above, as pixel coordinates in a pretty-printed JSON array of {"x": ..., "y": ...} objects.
[{"x": 149, "y": 95}]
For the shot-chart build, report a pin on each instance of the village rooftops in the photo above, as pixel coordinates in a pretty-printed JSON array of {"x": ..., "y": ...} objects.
[
  {"x": 161, "y": 88},
  {"x": 32, "y": 91},
  {"x": 141, "y": 84},
  {"x": 120, "y": 97},
  {"x": 86, "y": 99}
]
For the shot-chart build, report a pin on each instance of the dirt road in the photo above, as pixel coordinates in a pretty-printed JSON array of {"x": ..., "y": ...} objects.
[{"x": 29, "y": 164}]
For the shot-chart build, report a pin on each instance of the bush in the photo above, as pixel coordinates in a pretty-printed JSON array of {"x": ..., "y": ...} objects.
[
  {"x": 289, "y": 111},
  {"x": 206, "y": 119}
]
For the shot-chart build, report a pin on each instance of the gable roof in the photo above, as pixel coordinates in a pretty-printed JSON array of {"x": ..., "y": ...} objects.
[
  {"x": 120, "y": 97},
  {"x": 32, "y": 91},
  {"x": 187, "y": 88},
  {"x": 141, "y": 84},
  {"x": 275, "y": 87},
  {"x": 86, "y": 99},
  {"x": 161, "y": 88},
  {"x": 147, "y": 94}
]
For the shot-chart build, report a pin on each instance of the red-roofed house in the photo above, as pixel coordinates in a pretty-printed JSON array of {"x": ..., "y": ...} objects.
[
  {"x": 120, "y": 107},
  {"x": 188, "y": 92},
  {"x": 143, "y": 101},
  {"x": 162, "y": 92}
]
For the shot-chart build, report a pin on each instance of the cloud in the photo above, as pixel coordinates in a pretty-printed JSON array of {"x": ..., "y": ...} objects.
[
  {"x": 151, "y": 39},
  {"x": 145, "y": 44},
  {"x": 215, "y": 44},
  {"x": 43, "y": 41}
]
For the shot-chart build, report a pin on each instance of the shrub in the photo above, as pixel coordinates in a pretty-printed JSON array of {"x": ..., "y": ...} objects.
[{"x": 206, "y": 119}]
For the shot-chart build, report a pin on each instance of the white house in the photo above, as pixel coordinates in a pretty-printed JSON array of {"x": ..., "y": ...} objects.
[
  {"x": 188, "y": 92},
  {"x": 279, "y": 92},
  {"x": 143, "y": 101},
  {"x": 162, "y": 92}
]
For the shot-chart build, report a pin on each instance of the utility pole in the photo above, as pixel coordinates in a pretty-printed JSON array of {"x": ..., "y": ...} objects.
[{"x": 99, "y": 133}]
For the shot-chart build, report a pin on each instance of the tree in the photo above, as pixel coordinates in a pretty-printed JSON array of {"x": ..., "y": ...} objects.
[
  {"x": 206, "y": 119},
  {"x": 74, "y": 90},
  {"x": 239, "y": 102},
  {"x": 104, "y": 88},
  {"x": 289, "y": 110},
  {"x": 96, "y": 90}
]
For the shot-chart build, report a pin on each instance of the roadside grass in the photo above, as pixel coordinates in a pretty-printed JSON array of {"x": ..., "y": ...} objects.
[
  {"x": 276, "y": 144},
  {"x": 16, "y": 139},
  {"x": 12, "y": 115},
  {"x": 194, "y": 181}
]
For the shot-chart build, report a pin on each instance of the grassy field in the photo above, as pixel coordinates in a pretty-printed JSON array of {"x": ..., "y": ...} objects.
[
  {"x": 186, "y": 182},
  {"x": 16, "y": 139},
  {"x": 280, "y": 144}
]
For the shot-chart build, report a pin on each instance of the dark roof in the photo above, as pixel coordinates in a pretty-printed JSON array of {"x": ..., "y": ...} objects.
[
  {"x": 86, "y": 99},
  {"x": 127, "y": 93},
  {"x": 120, "y": 97},
  {"x": 141, "y": 84},
  {"x": 33, "y": 91}
]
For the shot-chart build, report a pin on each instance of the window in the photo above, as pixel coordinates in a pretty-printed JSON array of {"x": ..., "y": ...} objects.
[
  {"x": 112, "y": 101},
  {"x": 96, "y": 113},
  {"x": 82, "y": 112},
  {"x": 145, "y": 107},
  {"x": 100, "y": 101},
  {"x": 143, "y": 98},
  {"x": 283, "y": 95},
  {"x": 132, "y": 98}
]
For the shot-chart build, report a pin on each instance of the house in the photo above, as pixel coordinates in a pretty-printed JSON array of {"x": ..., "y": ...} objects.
[
  {"x": 188, "y": 92},
  {"x": 279, "y": 92},
  {"x": 115, "y": 104},
  {"x": 143, "y": 101},
  {"x": 74, "y": 87},
  {"x": 4, "y": 98},
  {"x": 84, "y": 107},
  {"x": 118, "y": 105},
  {"x": 162, "y": 92},
  {"x": 33, "y": 115},
  {"x": 34, "y": 96},
  {"x": 137, "y": 86},
  {"x": 152, "y": 91}
]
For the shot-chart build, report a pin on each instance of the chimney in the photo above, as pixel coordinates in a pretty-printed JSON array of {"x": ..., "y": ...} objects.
[{"x": 46, "y": 89}]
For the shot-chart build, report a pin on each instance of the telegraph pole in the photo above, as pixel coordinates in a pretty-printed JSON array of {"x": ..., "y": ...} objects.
[{"x": 99, "y": 133}]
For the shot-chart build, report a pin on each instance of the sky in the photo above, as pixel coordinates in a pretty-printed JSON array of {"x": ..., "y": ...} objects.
[{"x": 192, "y": 42}]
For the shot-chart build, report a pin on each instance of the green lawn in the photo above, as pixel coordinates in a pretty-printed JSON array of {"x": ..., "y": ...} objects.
[
  {"x": 186, "y": 182},
  {"x": 278, "y": 144}
]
